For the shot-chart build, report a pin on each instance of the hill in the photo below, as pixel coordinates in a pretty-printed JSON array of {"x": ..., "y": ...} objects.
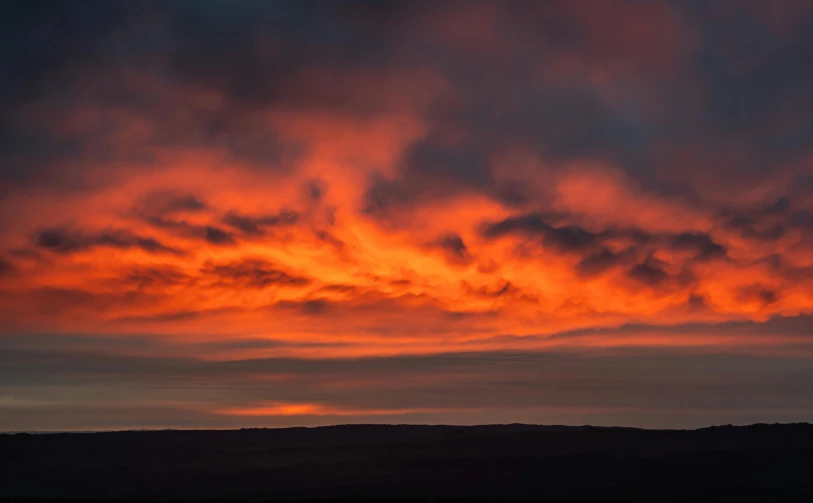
[{"x": 548, "y": 463}]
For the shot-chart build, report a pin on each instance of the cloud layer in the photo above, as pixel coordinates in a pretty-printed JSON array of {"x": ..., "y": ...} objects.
[{"x": 355, "y": 180}]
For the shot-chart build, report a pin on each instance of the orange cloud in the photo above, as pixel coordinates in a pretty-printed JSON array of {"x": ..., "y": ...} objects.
[{"x": 435, "y": 200}]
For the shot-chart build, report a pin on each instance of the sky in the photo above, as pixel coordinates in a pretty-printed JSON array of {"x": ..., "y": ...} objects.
[{"x": 219, "y": 214}]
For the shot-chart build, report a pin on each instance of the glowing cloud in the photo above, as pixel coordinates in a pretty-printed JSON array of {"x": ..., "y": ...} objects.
[{"x": 244, "y": 181}]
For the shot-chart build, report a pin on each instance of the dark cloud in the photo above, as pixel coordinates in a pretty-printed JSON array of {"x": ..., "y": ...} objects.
[
  {"x": 753, "y": 76},
  {"x": 501, "y": 288},
  {"x": 759, "y": 293},
  {"x": 568, "y": 238},
  {"x": 796, "y": 326},
  {"x": 592, "y": 247},
  {"x": 45, "y": 47},
  {"x": 771, "y": 234},
  {"x": 152, "y": 245},
  {"x": 146, "y": 277},
  {"x": 743, "y": 88},
  {"x": 741, "y": 222},
  {"x": 765, "y": 223},
  {"x": 217, "y": 236},
  {"x": 315, "y": 190},
  {"x": 358, "y": 301},
  {"x": 168, "y": 203},
  {"x": 47, "y": 52},
  {"x": 598, "y": 263},
  {"x": 244, "y": 224},
  {"x": 329, "y": 238},
  {"x": 34, "y": 26},
  {"x": 6, "y": 267},
  {"x": 498, "y": 102},
  {"x": 455, "y": 249},
  {"x": 595, "y": 249},
  {"x": 383, "y": 195},
  {"x": 564, "y": 124},
  {"x": 25, "y": 253},
  {"x": 780, "y": 206},
  {"x": 802, "y": 219},
  {"x": 57, "y": 241},
  {"x": 532, "y": 223},
  {"x": 187, "y": 203},
  {"x": 253, "y": 274},
  {"x": 311, "y": 307},
  {"x": 217, "y": 42},
  {"x": 697, "y": 302},
  {"x": 249, "y": 143},
  {"x": 160, "y": 207},
  {"x": 751, "y": 227},
  {"x": 63, "y": 241},
  {"x": 255, "y": 226},
  {"x": 430, "y": 159},
  {"x": 699, "y": 243},
  {"x": 496, "y": 99},
  {"x": 649, "y": 273},
  {"x": 208, "y": 233}
]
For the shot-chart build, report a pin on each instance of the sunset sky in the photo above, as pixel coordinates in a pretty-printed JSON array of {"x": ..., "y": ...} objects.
[{"x": 219, "y": 214}]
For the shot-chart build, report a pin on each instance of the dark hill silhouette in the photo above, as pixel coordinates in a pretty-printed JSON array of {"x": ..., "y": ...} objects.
[{"x": 551, "y": 463}]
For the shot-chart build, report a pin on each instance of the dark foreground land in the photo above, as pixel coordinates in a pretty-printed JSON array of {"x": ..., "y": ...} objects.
[{"x": 415, "y": 463}]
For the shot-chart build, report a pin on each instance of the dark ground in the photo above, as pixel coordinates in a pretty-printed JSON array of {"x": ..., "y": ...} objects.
[{"x": 417, "y": 463}]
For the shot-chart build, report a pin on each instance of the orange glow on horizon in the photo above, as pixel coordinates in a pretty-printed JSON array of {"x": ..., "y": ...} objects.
[{"x": 311, "y": 409}]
